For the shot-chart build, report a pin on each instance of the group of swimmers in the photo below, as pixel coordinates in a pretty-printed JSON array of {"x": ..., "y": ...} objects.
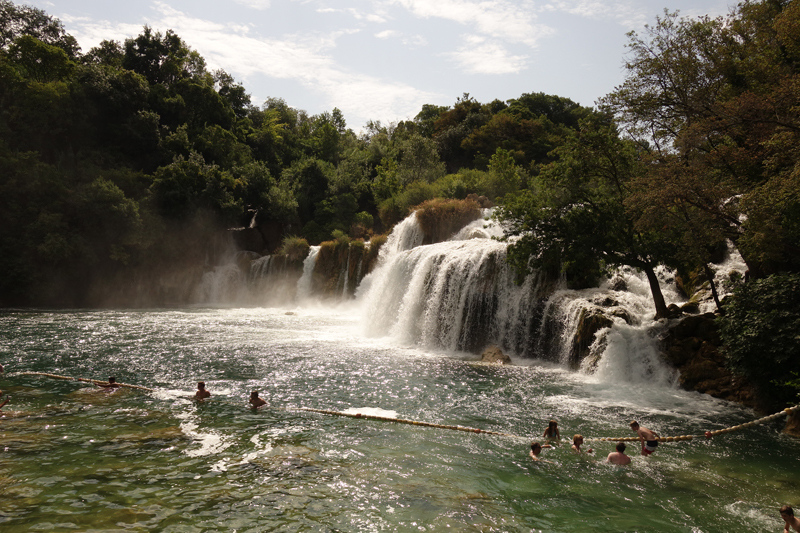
[
  {"x": 203, "y": 393},
  {"x": 647, "y": 438}
]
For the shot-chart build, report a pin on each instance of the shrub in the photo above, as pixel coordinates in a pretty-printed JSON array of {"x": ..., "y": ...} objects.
[
  {"x": 294, "y": 248},
  {"x": 440, "y": 218},
  {"x": 760, "y": 332}
]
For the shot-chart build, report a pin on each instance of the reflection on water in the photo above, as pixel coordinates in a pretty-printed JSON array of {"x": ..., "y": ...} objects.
[{"x": 75, "y": 457}]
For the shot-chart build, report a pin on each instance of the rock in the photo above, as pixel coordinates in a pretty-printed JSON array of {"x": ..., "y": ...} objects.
[
  {"x": 482, "y": 201},
  {"x": 673, "y": 311},
  {"x": 691, "y": 308},
  {"x": 493, "y": 354},
  {"x": 590, "y": 322},
  {"x": 618, "y": 283},
  {"x": 793, "y": 424}
]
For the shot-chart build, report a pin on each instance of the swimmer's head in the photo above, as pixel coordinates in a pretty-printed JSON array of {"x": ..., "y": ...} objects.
[
  {"x": 536, "y": 447},
  {"x": 787, "y": 510},
  {"x": 254, "y": 394},
  {"x": 620, "y": 447},
  {"x": 553, "y": 424},
  {"x": 112, "y": 379},
  {"x": 634, "y": 425},
  {"x": 577, "y": 439},
  {"x": 201, "y": 385}
]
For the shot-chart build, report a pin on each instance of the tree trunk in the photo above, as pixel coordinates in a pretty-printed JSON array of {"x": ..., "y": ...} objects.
[
  {"x": 710, "y": 276},
  {"x": 655, "y": 289}
]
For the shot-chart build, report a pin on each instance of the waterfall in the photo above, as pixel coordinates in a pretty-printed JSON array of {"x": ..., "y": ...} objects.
[
  {"x": 460, "y": 295},
  {"x": 345, "y": 275},
  {"x": 304, "y": 283}
]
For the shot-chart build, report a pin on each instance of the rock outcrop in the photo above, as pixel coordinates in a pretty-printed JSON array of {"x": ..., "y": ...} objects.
[
  {"x": 493, "y": 354},
  {"x": 692, "y": 346}
]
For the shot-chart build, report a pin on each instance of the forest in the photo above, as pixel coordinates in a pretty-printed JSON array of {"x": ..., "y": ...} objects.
[{"x": 131, "y": 158}]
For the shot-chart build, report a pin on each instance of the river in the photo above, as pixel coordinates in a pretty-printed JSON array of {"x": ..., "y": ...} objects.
[{"x": 77, "y": 458}]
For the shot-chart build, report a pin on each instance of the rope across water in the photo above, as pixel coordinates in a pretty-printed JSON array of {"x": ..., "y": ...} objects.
[{"x": 708, "y": 434}]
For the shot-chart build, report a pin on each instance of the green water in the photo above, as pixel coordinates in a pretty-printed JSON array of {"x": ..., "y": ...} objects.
[{"x": 76, "y": 458}]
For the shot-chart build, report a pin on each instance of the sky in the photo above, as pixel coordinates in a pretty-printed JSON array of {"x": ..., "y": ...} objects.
[{"x": 383, "y": 59}]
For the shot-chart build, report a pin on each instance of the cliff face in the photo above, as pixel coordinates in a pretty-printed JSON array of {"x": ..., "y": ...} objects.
[{"x": 693, "y": 346}]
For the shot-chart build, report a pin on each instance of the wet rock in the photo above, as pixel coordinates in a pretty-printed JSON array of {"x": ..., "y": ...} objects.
[
  {"x": 590, "y": 322},
  {"x": 618, "y": 283},
  {"x": 793, "y": 424},
  {"x": 691, "y": 308},
  {"x": 693, "y": 347},
  {"x": 493, "y": 354}
]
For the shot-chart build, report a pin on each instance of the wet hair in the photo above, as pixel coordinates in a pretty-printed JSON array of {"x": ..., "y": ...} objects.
[
  {"x": 575, "y": 438},
  {"x": 787, "y": 509},
  {"x": 254, "y": 394},
  {"x": 552, "y": 425},
  {"x": 201, "y": 384},
  {"x": 534, "y": 445},
  {"x": 112, "y": 379},
  {"x": 634, "y": 424},
  {"x": 621, "y": 447}
]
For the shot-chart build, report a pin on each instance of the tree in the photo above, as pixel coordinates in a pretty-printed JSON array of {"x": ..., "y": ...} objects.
[
  {"x": 419, "y": 161},
  {"x": 16, "y": 21},
  {"x": 574, "y": 218}
]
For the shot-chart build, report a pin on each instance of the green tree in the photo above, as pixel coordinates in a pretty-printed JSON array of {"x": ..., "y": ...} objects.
[
  {"x": 760, "y": 332},
  {"x": 574, "y": 219}
]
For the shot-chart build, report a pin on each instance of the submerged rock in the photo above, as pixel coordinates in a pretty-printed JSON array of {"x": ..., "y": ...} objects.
[{"x": 493, "y": 354}]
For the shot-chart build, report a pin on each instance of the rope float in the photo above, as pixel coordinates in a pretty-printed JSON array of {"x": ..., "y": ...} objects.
[
  {"x": 410, "y": 422},
  {"x": 85, "y": 380},
  {"x": 708, "y": 434}
]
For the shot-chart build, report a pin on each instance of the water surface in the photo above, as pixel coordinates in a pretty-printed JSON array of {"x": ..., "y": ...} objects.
[{"x": 76, "y": 458}]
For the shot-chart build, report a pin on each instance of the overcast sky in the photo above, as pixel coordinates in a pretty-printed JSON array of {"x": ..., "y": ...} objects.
[{"x": 384, "y": 59}]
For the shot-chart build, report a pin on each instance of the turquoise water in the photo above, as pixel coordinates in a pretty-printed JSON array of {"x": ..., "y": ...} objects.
[{"x": 77, "y": 458}]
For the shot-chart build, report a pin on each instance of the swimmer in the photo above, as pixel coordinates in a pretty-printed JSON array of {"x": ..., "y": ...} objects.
[
  {"x": 112, "y": 384},
  {"x": 536, "y": 449},
  {"x": 618, "y": 457},
  {"x": 1, "y": 369},
  {"x": 577, "y": 441},
  {"x": 6, "y": 401},
  {"x": 552, "y": 432},
  {"x": 787, "y": 513},
  {"x": 201, "y": 391},
  {"x": 649, "y": 439},
  {"x": 255, "y": 401}
]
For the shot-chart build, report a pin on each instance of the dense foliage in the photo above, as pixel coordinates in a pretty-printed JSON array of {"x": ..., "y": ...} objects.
[
  {"x": 761, "y": 331},
  {"x": 121, "y": 168},
  {"x": 126, "y": 162}
]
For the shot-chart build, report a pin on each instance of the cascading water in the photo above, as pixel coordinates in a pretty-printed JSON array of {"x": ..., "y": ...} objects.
[
  {"x": 460, "y": 295},
  {"x": 304, "y": 283}
]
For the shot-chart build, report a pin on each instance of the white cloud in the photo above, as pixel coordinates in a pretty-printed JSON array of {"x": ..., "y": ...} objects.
[
  {"x": 479, "y": 56},
  {"x": 386, "y": 34},
  {"x": 500, "y": 19},
  {"x": 255, "y": 4},
  {"x": 302, "y": 57}
]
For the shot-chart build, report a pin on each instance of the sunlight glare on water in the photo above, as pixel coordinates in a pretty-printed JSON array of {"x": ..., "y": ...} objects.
[{"x": 77, "y": 458}]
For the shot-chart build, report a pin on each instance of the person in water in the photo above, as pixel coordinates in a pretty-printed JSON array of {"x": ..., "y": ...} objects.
[
  {"x": 255, "y": 401},
  {"x": 618, "y": 457},
  {"x": 536, "y": 449},
  {"x": 649, "y": 439},
  {"x": 201, "y": 391},
  {"x": 552, "y": 432},
  {"x": 6, "y": 400},
  {"x": 790, "y": 521},
  {"x": 111, "y": 385},
  {"x": 577, "y": 441}
]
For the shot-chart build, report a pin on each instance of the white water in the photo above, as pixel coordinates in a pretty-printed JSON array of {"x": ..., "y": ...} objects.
[{"x": 460, "y": 296}]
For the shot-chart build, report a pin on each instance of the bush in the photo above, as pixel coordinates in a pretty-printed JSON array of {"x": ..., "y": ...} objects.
[
  {"x": 760, "y": 332},
  {"x": 294, "y": 248},
  {"x": 440, "y": 218}
]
